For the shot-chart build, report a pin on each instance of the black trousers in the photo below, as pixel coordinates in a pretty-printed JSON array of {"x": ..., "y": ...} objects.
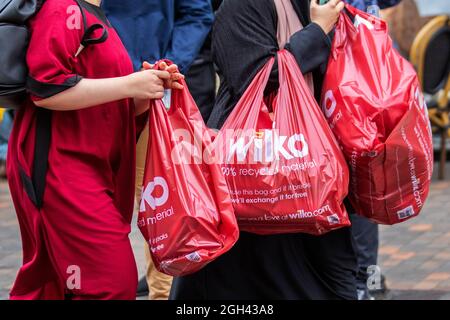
[
  {"x": 277, "y": 267},
  {"x": 365, "y": 243}
]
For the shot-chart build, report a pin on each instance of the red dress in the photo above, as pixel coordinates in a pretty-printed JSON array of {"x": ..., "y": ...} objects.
[{"x": 77, "y": 244}]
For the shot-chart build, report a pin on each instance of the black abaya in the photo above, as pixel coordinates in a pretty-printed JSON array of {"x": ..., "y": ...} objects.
[{"x": 288, "y": 266}]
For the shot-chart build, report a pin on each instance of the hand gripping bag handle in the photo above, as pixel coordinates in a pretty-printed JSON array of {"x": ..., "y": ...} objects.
[{"x": 179, "y": 97}]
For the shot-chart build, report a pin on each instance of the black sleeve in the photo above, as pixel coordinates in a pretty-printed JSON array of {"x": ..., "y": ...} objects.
[{"x": 310, "y": 47}]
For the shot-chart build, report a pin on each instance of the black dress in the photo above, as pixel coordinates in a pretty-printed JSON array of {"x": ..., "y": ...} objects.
[{"x": 288, "y": 266}]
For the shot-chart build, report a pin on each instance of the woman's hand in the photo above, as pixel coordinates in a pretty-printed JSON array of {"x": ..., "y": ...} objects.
[
  {"x": 166, "y": 77},
  {"x": 147, "y": 84},
  {"x": 326, "y": 15},
  {"x": 175, "y": 76}
]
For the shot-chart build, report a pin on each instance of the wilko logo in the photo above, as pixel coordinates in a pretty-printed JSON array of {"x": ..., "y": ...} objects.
[
  {"x": 405, "y": 213},
  {"x": 329, "y": 104},
  {"x": 148, "y": 194},
  {"x": 266, "y": 146}
]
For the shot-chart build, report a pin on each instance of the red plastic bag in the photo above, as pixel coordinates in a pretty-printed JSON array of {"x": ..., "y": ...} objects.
[
  {"x": 372, "y": 100},
  {"x": 186, "y": 213},
  {"x": 286, "y": 175}
]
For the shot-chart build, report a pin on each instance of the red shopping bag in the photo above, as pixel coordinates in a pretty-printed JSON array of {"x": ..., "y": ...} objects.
[
  {"x": 373, "y": 103},
  {"x": 286, "y": 175},
  {"x": 186, "y": 213}
]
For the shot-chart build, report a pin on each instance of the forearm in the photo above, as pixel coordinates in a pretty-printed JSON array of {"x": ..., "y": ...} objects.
[{"x": 87, "y": 93}]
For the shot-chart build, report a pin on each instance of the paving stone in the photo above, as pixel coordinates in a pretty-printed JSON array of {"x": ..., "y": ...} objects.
[
  {"x": 425, "y": 285},
  {"x": 421, "y": 228}
]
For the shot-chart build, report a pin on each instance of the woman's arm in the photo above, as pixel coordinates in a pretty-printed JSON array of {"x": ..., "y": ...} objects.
[{"x": 144, "y": 85}]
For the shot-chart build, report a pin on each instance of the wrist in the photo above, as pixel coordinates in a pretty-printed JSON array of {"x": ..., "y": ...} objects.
[
  {"x": 127, "y": 86},
  {"x": 322, "y": 26}
]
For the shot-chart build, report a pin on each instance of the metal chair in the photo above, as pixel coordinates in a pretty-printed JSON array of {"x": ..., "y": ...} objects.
[{"x": 430, "y": 55}]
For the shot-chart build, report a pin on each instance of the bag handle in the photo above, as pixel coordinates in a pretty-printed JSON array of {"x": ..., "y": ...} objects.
[
  {"x": 253, "y": 95},
  {"x": 292, "y": 83},
  {"x": 346, "y": 29}
]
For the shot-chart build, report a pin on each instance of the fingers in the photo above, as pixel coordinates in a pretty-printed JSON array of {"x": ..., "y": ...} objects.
[
  {"x": 157, "y": 95},
  {"x": 161, "y": 74},
  {"x": 177, "y": 86},
  {"x": 177, "y": 76},
  {"x": 147, "y": 66},
  {"x": 340, "y": 6},
  {"x": 337, "y": 5},
  {"x": 168, "y": 78},
  {"x": 162, "y": 65},
  {"x": 172, "y": 69}
]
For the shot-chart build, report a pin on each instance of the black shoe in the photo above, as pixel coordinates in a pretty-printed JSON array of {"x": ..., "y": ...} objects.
[{"x": 142, "y": 288}]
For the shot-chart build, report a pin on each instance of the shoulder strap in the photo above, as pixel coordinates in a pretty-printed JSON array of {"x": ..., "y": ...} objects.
[
  {"x": 87, "y": 38},
  {"x": 41, "y": 151}
]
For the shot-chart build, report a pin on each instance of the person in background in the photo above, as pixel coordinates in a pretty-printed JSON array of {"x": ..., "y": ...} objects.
[
  {"x": 364, "y": 4},
  {"x": 201, "y": 77},
  {"x": 152, "y": 30},
  {"x": 365, "y": 232},
  {"x": 6, "y": 123}
]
